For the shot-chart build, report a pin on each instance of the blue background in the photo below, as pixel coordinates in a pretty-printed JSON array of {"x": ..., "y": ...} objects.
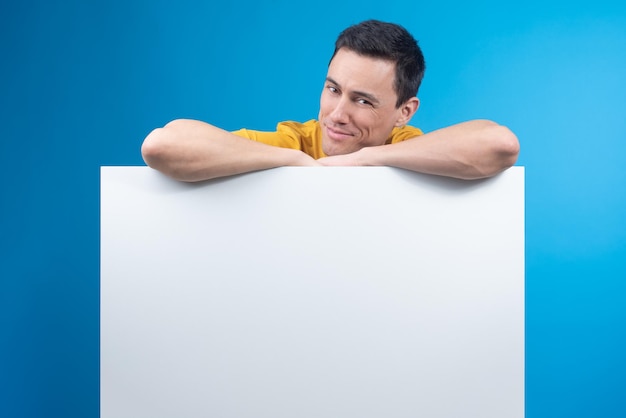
[{"x": 82, "y": 83}]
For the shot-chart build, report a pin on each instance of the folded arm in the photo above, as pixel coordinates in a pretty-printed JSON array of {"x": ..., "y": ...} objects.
[
  {"x": 190, "y": 150},
  {"x": 469, "y": 150}
]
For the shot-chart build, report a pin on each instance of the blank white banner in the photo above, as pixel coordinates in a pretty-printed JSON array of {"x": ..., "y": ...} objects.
[{"x": 301, "y": 292}]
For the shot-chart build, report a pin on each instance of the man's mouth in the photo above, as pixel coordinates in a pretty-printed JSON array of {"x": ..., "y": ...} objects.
[{"x": 337, "y": 134}]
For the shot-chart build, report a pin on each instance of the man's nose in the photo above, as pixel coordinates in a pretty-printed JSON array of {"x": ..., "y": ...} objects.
[{"x": 340, "y": 114}]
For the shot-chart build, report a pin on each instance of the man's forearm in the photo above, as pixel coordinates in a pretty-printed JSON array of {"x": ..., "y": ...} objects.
[
  {"x": 469, "y": 150},
  {"x": 190, "y": 150}
]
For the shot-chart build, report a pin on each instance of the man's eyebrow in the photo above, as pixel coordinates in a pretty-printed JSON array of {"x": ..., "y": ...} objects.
[{"x": 363, "y": 94}]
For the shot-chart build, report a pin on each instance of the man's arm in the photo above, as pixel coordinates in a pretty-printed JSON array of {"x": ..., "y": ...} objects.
[
  {"x": 469, "y": 150},
  {"x": 190, "y": 150}
]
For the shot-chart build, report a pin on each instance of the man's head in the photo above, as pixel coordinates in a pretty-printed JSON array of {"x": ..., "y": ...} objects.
[
  {"x": 371, "y": 86},
  {"x": 390, "y": 42}
]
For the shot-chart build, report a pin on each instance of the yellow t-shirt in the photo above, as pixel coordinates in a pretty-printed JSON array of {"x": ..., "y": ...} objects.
[{"x": 307, "y": 137}]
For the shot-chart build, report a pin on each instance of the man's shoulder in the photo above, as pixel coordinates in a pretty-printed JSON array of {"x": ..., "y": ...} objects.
[
  {"x": 289, "y": 128},
  {"x": 403, "y": 133},
  {"x": 308, "y": 134},
  {"x": 305, "y": 128}
]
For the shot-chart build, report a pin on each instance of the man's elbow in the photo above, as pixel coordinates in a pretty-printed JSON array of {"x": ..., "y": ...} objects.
[
  {"x": 503, "y": 149},
  {"x": 160, "y": 149},
  {"x": 506, "y": 146},
  {"x": 152, "y": 149},
  {"x": 499, "y": 151}
]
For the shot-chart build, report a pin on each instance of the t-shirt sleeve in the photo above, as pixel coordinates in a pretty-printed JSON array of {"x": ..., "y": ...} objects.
[
  {"x": 280, "y": 138},
  {"x": 404, "y": 133}
]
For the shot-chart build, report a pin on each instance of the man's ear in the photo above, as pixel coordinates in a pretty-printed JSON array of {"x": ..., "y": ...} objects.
[{"x": 407, "y": 110}]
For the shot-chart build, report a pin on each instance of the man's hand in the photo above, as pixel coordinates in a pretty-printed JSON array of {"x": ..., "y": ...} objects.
[
  {"x": 303, "y": 160},
  {"x": 352, "y": 159}
]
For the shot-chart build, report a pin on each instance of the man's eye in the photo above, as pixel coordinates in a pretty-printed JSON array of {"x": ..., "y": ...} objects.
[
  {"x": 333, "y": 89},
  {"x": 364, "y": 102}
]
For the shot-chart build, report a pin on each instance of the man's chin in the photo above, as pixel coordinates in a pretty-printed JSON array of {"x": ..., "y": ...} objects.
[{"x": 333, "y": 149}]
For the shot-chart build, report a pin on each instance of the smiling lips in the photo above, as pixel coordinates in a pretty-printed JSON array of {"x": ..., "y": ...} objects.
[{"x": 337, "y": 134}]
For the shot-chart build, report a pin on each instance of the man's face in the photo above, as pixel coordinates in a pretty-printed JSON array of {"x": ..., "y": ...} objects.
[{"x": 358, "y": 103}]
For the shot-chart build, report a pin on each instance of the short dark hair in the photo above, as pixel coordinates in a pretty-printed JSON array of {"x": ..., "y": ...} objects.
[{"x": 388, "y": 41}]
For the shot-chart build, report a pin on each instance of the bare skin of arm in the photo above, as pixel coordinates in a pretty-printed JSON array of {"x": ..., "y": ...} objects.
[
  {"x": 469, "y": 150},
  {"x": 190, "y": 150}
]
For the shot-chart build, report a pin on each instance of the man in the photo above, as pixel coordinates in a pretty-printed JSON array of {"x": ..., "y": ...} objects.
[{"x": 368, "y": 99}]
